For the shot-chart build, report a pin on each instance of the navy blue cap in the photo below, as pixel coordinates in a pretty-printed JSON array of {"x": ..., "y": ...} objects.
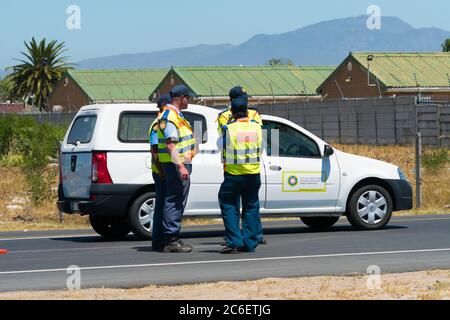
[
  {"x": 180, "y": 91},
  {"x": 239, "y": 104},
  {"x": 163, "y": 100},
  {"x": 238, "y": 92}
]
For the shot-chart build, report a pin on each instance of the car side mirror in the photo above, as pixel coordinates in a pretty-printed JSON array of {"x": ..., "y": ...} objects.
[{"x": 328, "y": 151}]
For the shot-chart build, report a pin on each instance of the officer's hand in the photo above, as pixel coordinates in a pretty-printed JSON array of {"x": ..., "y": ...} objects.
[{"x": 184, "y": 173}]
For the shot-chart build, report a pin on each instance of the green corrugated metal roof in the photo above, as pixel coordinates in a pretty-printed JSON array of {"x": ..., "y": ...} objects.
[
  {"x": 403, "y": 70},
  {"x": 258, "y": 81},
  {"x": 118, "y": 85}
]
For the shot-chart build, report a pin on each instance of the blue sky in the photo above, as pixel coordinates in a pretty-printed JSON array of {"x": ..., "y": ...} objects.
[{"x": 111, "y": 27}]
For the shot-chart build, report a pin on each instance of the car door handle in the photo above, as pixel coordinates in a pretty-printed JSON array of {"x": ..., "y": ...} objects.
[{"x": 275, "y": 168}]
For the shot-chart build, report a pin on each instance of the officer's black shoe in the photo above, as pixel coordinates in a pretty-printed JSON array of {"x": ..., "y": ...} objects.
[
  {"x": 263, "y": 241},
  {"x": 229, "y": 250},
  {"x": 177, "y": 246}
]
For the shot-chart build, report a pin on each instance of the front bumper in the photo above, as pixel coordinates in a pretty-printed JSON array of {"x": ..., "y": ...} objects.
[
  {"x": 106, "y": 200},
  {"x": 403, "y": 194}
]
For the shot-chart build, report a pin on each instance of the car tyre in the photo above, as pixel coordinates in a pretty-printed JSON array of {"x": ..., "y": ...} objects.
[
  {"x": 370, "y": 208},
  {"x": 140, "y": 216},
  {"x": 111, "y": 228},
  {"x": 320, "y": 223}
]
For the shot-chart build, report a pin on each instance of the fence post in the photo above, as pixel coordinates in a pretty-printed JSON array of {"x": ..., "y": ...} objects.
[
  {"x": 439, "y": 134},
  {"x": 418, "y": 170},
  {"x": 357, "y": 122},
  {"x": 339, "y": 122}
]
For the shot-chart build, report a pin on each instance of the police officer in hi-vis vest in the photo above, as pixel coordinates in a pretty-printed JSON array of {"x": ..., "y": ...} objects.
[
  {"x": 176, "y": 150},
  {"x": 226, "y": 117},
  {"x": 158, "y": 177},
  {"x": 242, "y": 147}
]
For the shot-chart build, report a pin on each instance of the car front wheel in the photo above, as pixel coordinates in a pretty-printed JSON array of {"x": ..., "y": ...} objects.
[{"x": 370, "y": 208}]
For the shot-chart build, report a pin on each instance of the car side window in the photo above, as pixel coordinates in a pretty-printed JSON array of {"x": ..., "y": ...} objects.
[
  {"x": 291, "y": 143},
  {"x": 134, "y": 126},
  {"x": 198, "y": 124}
]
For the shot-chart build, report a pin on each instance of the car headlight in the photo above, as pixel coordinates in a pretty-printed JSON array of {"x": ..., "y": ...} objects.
[{"x": 401, "y": 174}]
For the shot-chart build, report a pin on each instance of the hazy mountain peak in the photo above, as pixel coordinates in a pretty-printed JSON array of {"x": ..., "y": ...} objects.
[{"x": 322, "y": 43}]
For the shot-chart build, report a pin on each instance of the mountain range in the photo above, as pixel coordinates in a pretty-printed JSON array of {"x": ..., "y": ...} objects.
[{"x": 324, "y": 43}]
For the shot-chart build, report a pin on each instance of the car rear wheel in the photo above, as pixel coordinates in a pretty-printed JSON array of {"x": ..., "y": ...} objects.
[
  {"x": 320, "y": 223},
  {"x": 140, "y": 216},
  {"x": 111, "y": 228},
  {"x": 370, "y": 208}
]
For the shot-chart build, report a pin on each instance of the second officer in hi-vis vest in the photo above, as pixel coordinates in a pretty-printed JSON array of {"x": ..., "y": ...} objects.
[
  {"x": 242, "y": 147},
  {"x": 176, "y": 149},
  {"x": 158, "y": 177}
]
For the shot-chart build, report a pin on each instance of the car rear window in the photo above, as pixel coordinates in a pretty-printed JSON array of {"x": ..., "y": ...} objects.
[
  {"x": 134, "y": 127},
  {"x": 82, "y": 129}
]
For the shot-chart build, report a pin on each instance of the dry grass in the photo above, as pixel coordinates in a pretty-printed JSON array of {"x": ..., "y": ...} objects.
[
  {"x": 435, "y": 185},
  {"x": 436, "y": 193},
  {"x": 426, "y": 285},
  {"x": 17, "y": 213}
]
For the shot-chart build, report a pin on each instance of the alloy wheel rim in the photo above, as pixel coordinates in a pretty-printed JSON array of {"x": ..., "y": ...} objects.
[
  {"x": 372, "y": 207},
  {"x": 146, "y": 213}
]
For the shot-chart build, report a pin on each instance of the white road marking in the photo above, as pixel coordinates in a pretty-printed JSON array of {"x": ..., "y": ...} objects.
[
  {"x": 52, "y": 237},
  {"x": 192, "y": 229},
  {"x": 229, "y": 261}
]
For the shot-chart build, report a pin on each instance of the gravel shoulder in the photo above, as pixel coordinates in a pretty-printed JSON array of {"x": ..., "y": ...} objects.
[{"x": 426, "y": 285}]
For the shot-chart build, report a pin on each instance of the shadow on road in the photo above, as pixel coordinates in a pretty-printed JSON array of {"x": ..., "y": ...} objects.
[{"x": 301, "y": 229}]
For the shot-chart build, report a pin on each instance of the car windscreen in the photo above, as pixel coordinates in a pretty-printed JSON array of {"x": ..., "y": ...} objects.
[{"x": 82, "y": 129}]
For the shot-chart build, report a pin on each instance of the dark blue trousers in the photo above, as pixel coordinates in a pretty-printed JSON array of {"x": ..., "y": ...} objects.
[
  {"x": 157, "y": 229},
  {"x": 177, "y": 192},
  {"x": 233, "y": 189}
]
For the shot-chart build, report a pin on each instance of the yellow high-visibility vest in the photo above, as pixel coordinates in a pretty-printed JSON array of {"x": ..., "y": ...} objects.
[
  {"x": 242, "y": 147},
  {"x": 226, "y": 117},
  {"x": 155, "y": 127},
  {"x": 186, "y": 139}
]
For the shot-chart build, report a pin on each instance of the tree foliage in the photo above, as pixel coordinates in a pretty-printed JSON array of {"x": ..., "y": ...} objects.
[
  {"x": 280, "y": 62},
  {"x": 5, "y": 90},
  {"x": 446, "y": 46},
  {"x": 39, "y": 71}
]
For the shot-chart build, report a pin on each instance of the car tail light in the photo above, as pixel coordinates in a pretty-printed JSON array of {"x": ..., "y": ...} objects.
[{"x": 100, "y": 172}]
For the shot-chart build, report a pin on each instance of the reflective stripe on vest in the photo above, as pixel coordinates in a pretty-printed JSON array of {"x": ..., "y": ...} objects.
[
  {"x": 186, "y": 139},
  {"x": 242, "y": 147}
]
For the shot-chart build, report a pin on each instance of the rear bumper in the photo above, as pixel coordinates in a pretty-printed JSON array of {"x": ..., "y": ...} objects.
[
  {"x": 403, "y": 194},
  {"x": 107, "y": 200}
]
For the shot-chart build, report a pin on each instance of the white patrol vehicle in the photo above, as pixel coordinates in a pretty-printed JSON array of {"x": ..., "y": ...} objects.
[{"x": 105, "y": 172}]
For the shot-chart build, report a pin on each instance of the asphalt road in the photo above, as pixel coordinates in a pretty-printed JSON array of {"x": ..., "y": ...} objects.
[{"x": 39, "y": 260}]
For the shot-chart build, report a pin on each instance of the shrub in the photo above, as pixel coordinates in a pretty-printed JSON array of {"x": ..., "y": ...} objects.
[
  {"x": 435, "y": 160},
  {"x": 26, "y": 143}
]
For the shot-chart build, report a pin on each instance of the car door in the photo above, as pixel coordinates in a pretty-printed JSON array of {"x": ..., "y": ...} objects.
[
  {"x": 299, "y": 179},
  {"x": 76, "y": 156}
]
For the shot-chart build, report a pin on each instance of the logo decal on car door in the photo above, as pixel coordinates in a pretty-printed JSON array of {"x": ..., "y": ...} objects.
[{"x": 304, "y": 181}]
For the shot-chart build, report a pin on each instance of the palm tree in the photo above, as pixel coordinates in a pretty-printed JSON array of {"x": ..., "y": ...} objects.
[
  {"x": 446, "y": 46},
  {"x": 37, "y": 76}
]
